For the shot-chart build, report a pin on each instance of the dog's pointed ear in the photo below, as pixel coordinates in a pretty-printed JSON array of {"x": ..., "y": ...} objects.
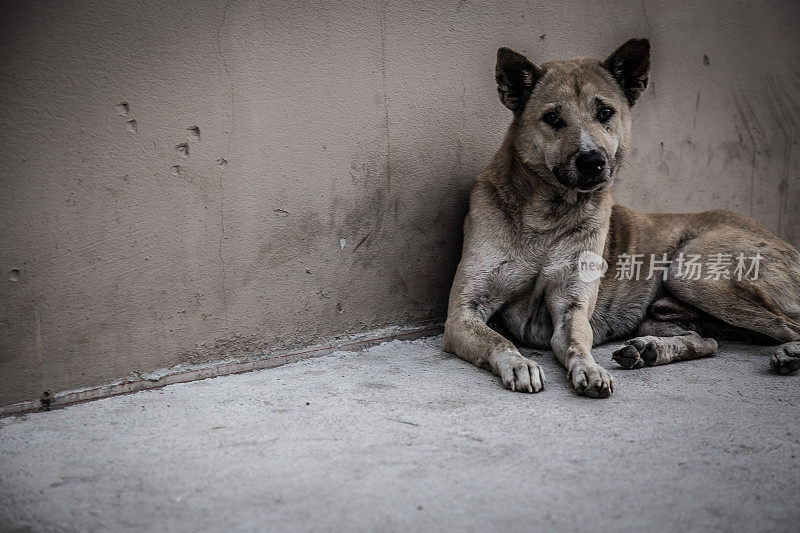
[
  {"x": 515, "y": 76},
  {"x": 630, "y": 66}
]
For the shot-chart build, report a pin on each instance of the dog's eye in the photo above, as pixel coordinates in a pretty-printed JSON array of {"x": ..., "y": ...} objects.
[
  {"x": 605, "y": 113},
  {"x": 553, "y": 120}
]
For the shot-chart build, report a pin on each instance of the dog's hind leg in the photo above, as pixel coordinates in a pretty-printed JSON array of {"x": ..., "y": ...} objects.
[
  {"x": 650, "y": 350},
  {"x": 768, "y": 303},
  {"x": 666, "y": 336}
]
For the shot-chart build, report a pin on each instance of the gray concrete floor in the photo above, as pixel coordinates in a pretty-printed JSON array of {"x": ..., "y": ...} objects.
[{"x": 404, "y": 437}]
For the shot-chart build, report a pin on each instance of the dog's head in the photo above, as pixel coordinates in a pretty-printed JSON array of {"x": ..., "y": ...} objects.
[{"x": 572, "y": 118}]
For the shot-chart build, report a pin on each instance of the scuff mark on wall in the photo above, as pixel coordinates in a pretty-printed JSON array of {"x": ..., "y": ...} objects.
[
  {"x": 646, "y": 18},
  {"x": 696, "y": 110},
  {"x": 362, "y": 241},
  {"x": 780, "y": 107},
  {"x": 37, "y": 347},
  {"x": 769, "y": 119},
  {"x": 124, "y": 110},
  {"x": 460, "y": 134},
  {"x": 194, "y": 134},
  {"x": 749, "y": 123},
  {"x": 223, "y": 164},
  {"x": 384, "y": 22}
]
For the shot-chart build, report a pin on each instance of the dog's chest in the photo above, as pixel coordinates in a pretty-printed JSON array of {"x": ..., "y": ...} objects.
[
  {"x": 526, "y": 316},
  {"x": 545, "y": 260}
]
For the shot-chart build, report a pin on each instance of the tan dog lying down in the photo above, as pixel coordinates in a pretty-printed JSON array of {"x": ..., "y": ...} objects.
[{"x": 541, "y": 216}]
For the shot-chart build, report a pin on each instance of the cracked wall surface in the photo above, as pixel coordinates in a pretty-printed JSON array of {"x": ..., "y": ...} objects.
[{"x": 184, "y": 181}]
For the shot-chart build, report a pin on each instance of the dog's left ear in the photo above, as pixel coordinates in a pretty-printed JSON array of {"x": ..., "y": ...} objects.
[
  {"x": 630, "y": 66},
  {"x": 516, "y": 76}
]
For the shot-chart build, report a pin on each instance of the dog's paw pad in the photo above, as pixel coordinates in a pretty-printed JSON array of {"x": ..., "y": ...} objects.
[
  {"x": 637, "y": 352},
  {"x": 637, "y": 343},
  {"x": 628, "y": 357},
  {"x": 650, "y": 353},
  {"x": 787, "y": 359}
]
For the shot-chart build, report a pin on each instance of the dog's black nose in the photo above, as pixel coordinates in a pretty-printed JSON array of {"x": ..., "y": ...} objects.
[{"x": 590, "y": 164}]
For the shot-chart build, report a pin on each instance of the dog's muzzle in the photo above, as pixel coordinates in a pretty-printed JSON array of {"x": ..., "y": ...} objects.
[
  {"x": 590, "y": 166},
  {"x": 588, "y": 171}
]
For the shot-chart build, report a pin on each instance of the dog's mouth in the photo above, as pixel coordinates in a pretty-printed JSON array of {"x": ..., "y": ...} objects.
[
  {"x": 570, "y": 181},
  {"x": 597, "y": 188}
]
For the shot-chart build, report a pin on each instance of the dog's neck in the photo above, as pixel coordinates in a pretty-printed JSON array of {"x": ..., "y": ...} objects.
[{"x": 539, "y": 200}]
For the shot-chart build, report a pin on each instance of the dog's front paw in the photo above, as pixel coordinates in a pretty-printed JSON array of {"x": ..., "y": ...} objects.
[
  {"x": 592, "y": 380},
  {"x": 518, "y": 373}
]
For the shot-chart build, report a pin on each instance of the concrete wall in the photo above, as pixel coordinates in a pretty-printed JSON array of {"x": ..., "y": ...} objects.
[{"x": 337, "y": 143}]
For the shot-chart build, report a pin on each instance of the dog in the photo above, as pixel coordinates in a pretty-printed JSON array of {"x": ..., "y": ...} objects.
[{"x": 542, "y": 226}]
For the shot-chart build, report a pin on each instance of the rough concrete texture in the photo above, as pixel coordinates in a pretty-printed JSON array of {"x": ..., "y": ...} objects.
[
  {"x": 185, "y": 181},
  {"x": 402, "y": 437}
]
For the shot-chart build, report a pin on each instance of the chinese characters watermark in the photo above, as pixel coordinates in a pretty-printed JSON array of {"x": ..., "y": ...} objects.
[{"x": 716, "y": 266}]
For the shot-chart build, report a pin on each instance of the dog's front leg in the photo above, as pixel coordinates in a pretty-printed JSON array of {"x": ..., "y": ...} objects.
[
  {"x": 572, "y": 344},
  {"x": 467, "y": 335}
]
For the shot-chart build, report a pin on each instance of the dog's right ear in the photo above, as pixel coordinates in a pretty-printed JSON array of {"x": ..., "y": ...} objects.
[{"x": 515, "y": 76}]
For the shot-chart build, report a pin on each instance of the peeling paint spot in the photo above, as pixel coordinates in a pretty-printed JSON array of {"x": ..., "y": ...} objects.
[
  {"x": 194, "y": 133},
  {"x": 342, "y": 244},
  {"x": 175, "y": 170},
  {"x": 133, "y": 126},
  {"x": 182, "y": 149},
  {"x": 13, "y": 275},
  {"x": 542, "y": 36},
  {"x": 282, "y": 212},
  {"x": 222, "y": 162},
  {"x": 123, "y": 109}
]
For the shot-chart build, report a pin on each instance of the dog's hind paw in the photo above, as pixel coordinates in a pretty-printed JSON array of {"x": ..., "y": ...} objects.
[
  {"x": 786, "y": 359},
  {"x": 636, "y": 353},
  {"x": 628, "y": 357}
]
